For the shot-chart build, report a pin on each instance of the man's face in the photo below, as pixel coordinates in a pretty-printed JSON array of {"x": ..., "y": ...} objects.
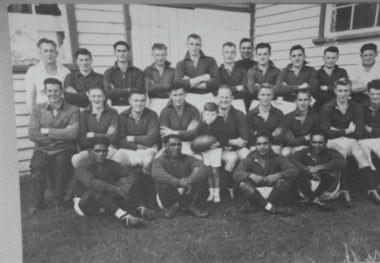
[
  {"x": 342, "y": 92},
  {"x": 330, "y": 59},
  {"x": 121, "y": 53},
  {"x": 178, "y": 97},
  {"x": 317, "y": 144},
  {"x": 159, "y": 56},
  {"x": 303, "y": 101},
  {"x": 368, "y": 57},
  {"x": 53, "y": 93},
  {"x": 48, "y": 53},
  {"x": 265, "y": 96},
  {"x": 84, "y": 62},
  {"x": 297, "y": 57},
  {"x": 225, "y": 98},
  {"x": 229, "y": 54},
  {"x": 137, "y": 102},
  {"x": 246, "y": 50},
  {"x": 174, "y": 147},
  {"x": 99, "y": 153},
  {"x": 194, "y": 46},
  {"x": 263, "y": 146},
  {"x": 374, "y": 96},
  {"x": 263, "y": 56},
  {"x": 97, "y": 98},
  {"x": 209, "y": 116}
]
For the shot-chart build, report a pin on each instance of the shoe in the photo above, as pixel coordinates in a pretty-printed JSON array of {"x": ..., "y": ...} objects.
[
  {"x": 172, "y": 211},
  {"x": 131, "y": 221},
  {"x": 246, "y": 189},
  {"x": 231, "y": 196},
  {"x": 146, "y": 213},
  {"x": 346, "y": 200},
  {"x": 321, "y": 205},
  {"x": 282, "y": 211},
  {"x": 374, "y": 197},
  {"x": 210, "y": 197},
  {"x": 216, "y": 198},
  {"x": 196, "y": 212}
]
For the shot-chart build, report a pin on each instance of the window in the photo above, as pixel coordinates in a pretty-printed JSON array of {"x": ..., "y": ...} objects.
[
  {"x": 348, "y": 21},
  {"x": 31, "y": 22}
]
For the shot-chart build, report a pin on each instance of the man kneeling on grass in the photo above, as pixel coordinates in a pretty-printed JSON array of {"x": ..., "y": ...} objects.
[
  {"x": 179, "y": 177},
  {"x": 265, "y": 178},
  {"x": 103, "y": 183},
  {"x": 320, "y": 169}
]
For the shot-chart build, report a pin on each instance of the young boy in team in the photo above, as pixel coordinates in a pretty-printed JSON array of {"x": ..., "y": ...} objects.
[{"x": 211, "y": 125}]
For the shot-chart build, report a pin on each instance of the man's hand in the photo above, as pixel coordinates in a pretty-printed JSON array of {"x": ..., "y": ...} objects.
[
  {"x": 70, "y": 90},
  {"x": 351, "y": 128},
  {"x": 130, "y": 138},
  {"x": 239, "y": 142},
  {"x": 112, "y": 86},
  {"x": 185, "y": 77},
  {"x": 206, "y": 77},
  {"x": 165, "y": 131},
  {"x": 270, "y": 179},
  {"x": 307, "y": 137},
  {"x": 325, "y": 88},
  {"x": 314, "y": 169},
  {"x": 90, "y": 135},
  {"x": 252, "y": 149},
  {"x": 193, "y": 125},
  {"x": 276, "y": 132},
  {"x": 123, "y": 190},
  {"x": 256, "y": 178},
  {"x": 215, "y": 145},
  {"x": 201, "y": 86},
  {"x": 368, "y": 128},
  {"x": 142, "y": 147},
  {"x": 239, "y": 87},
  {"x": 111, "y": 129},
  {"x": 289, "y": 135},
  {"x": 44, "y": 130},
  {"x": 186, "y": 184},
  {"x": 303, "y": 86}
]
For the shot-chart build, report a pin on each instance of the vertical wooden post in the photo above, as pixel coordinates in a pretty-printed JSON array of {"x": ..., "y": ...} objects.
[{"x": 252, "y": 22}]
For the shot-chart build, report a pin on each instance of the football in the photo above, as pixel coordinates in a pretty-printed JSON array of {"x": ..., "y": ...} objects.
[{"x": 202, "y": 143}]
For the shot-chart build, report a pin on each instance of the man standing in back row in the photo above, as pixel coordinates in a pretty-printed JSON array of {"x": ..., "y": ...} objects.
[
  {"x": 246, "y": 52},
  {"x": 198, "y": 72}
]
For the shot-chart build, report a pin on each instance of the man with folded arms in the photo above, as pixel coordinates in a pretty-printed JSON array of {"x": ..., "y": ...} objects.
[{"x": 179, "y": 177}]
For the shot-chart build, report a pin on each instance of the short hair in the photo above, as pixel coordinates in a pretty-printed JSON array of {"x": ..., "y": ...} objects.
[
  {"x": 194, "y": 36},
  {"x": 159, "y": 46},
  {"x": 47, "y": 41},
  {"x": 52, "y": 81},
  {"x": 210, "y": 106},
  {"x": 374, "y": 84},
  {"x": 91, "y": 142},
  {"x": 224, "y": 86},
  {"x": 136, "y": 91},
  {"x": 229, "y": 44},
  {"x": 266, "y": 86},
  {"x": 297, "y": 47},
  {"x": 321, "y": 132},
  {"x": 122, "y": 43},
  {"x": 83, "y": 51},
  {"x": 304, "y": 91},
  {"x": 332, "y": 49},
  {"x": 343, "y": 82},
  {"x": 265, "y": 135},
  {"x": 167, "y": 138},
  {"x": 368, "y": 46},
  {"x": 97, "y": 88},
  {"x": 263, "y": 45},
  {"x": 176, "y": 85},
  {"x": 244, "y": 40}
]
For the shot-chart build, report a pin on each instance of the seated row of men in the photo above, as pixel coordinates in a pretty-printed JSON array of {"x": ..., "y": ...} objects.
[
  {"x": 201, "y": 75},
  {"x": 55, "y": 125}
]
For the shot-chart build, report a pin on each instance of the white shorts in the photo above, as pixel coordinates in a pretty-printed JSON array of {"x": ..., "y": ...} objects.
[
  {"x": 135, "y": 157},
  {"x": 342, "y": 142},
  {"x": 157, "y": 104},
  {"x": 371, "y": 143},
  {"x": 265, "y": 191},
  {"x": 239, "y": 105},
  {"x": 213, "y": 157},
  {"x": 199, "y": 100}
]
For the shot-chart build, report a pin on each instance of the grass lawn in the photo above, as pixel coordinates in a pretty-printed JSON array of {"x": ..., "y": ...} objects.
[{"x": 226, "y": 236}]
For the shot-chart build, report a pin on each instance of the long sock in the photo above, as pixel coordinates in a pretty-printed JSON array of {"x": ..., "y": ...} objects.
[
  {"x": 343, "y": 180},
  {"x": 369, "y": 177},
  {"x": 229, "y": 180},
  {"x": 258, "y": 199},
  {"x": 276, "y": 196},
  {"x": 326, "y": 181},
  {"x": 120, "y": 213},
  {"x": 231, "y": 192}
]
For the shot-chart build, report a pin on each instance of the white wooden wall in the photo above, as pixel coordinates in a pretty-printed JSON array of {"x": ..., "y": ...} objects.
[
  {"x": 171, "y": 26},
  {"x": 286, "y": 25},
  {"x": 99, "y": 26}
]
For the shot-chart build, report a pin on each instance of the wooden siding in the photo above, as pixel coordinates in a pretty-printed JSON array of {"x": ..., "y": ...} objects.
[{"x": 286, "y": 25}]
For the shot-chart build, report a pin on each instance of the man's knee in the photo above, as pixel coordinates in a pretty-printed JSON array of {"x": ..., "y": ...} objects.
[
  {"x": 231, "y": 160},
  {"x": 283, "y": 185},
  {"x": 40, "y": 162},
  {"x": 287, "y": 151}
]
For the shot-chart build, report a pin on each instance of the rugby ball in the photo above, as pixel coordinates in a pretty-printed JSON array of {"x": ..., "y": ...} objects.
[{"x": 202, "y": 143}]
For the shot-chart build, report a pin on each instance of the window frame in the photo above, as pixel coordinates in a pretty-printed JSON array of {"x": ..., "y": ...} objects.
[
  {"x": 73, "y": 36},
  {"x": 323, "y": 38}
]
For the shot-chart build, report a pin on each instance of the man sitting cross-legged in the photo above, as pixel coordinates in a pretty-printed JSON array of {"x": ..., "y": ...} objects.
[
  {"x": 179, "y": 177},
  {"x": 343, "y": 120},
  {"x": 265, "y": 177},
  {"x": 320, "y": 168},
  {"x": 103, "y": 183}
]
